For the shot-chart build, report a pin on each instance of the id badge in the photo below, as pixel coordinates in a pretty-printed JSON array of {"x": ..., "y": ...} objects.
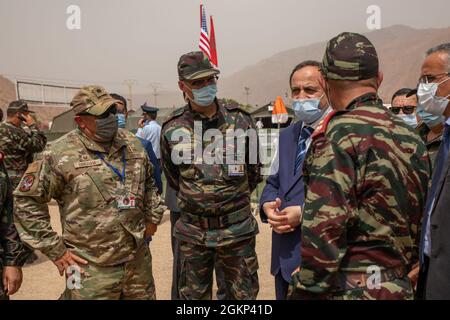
[
  {"x": 125, "y": 201},
  {"x": 236, "y": 170}
]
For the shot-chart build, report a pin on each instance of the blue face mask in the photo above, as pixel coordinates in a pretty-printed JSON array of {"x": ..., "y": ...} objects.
[
  {"x": 121, "y": 120},
  {"x": 205, "y": 96},
  {"x": 410, "y": 119},
  {"x": 307, "y": 110},
  {"x": 429, "y": 119}
]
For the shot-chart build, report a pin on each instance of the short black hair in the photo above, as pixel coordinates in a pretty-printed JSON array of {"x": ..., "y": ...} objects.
[
  {"x": 307, "y": 63},
  {"x": 1, "y": 114},
  {"x": 402, "y": 92},
  {"x": 444, "y": 48},
  {"x": 120, "y": 98}
]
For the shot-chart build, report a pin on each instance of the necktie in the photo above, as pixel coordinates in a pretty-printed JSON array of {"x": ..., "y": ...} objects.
[{"x": 301, "y": 147}]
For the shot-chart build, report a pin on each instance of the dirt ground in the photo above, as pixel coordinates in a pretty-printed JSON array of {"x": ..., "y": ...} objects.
[{"x": 42, "y": 281}]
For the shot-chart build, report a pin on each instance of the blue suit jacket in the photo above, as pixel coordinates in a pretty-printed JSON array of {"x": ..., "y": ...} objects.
[{"x": 289, "y": 188}]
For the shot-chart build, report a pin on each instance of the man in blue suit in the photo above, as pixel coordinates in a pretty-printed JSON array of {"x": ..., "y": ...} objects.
[{"x": 282, "y": 199}]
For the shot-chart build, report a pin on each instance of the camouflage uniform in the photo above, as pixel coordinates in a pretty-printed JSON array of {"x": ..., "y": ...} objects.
[
  {"x": 88, "y": 192},
  {"x": 19, "y": 145},
  {"x": 216, "y": 225},
  {"x": 12, "y": 250},
  {"x": 433, "y": 145},
  {"x": 366, "y": 179}
]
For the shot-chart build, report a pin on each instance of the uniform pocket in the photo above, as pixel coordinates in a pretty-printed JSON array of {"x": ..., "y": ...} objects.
[{"x": 90, "y": 190}]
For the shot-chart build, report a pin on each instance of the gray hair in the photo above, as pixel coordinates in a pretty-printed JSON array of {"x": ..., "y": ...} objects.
[{"x": 443, "y": 48}]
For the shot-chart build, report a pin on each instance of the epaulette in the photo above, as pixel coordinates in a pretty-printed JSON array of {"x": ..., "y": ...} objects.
[
  {"x": 323, "y": 124},
  {"x": 175, "y": 114}
]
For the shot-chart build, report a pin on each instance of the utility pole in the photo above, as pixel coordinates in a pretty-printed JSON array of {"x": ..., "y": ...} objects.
[
  {"x": 247, "y": 93},
  {"x": 156, "y": 86},
  {"x": 130, "y": 84}
]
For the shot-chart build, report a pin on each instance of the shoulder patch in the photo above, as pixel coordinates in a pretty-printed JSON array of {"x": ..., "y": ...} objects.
[
  {"x": 175, "y": 114},
  {"x": 27, "y": 182},
  {"x": 323, "y": 124}
]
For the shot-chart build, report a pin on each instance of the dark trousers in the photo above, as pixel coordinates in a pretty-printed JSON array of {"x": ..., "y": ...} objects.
[
  {"x": 3, "y": 295},
  {"x": 281, "y": 287},
  {"x": 422, "y": 282},
  {"x": 176, "y": 269}
]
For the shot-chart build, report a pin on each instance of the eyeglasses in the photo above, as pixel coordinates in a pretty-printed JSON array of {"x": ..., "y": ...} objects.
[
  {"x": 203, "y": 82},
  {"x": 406, "y": 109},
  {"x": 432, "y": 78}
]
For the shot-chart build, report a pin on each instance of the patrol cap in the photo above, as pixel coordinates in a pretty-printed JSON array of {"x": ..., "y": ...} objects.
[
  {"x": 195, "y": 65},
  {"x": 350, "y": 56},
  {"x": 93, "y": 100},
  {"x": 149, "y": 109},
  {"x": 19, "y": 106}
]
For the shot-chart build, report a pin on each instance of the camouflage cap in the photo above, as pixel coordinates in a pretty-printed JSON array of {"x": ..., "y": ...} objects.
[
  {"x": 19, "y": 106},
  {"x": 350, "y": 56},
  {"x": 93, "y": 100},
  {"x": 195, "y": 65}
]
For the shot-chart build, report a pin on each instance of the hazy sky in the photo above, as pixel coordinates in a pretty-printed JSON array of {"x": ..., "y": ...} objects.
[{"x": 143, "y": 39}]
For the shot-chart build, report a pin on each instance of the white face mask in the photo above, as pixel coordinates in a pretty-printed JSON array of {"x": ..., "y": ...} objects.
[
  {"x": 429, "y": 102},
  {"x": 410, "y": 119},
  {"x": 308, "y": 110}
]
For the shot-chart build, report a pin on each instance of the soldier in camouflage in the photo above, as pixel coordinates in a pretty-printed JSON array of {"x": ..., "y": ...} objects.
[
  {"x": 366, "y": 179},
  {"x": 13, "y": 253},
  {"x": 21, "y": 139},
  {"x": 101, "y": 178},
  {"x": 216, "y": 226}
]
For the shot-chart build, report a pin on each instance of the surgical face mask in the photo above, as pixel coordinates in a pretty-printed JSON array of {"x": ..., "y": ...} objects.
[
  {"x": 429, "y": 119},
  {"x": 106, "y": 128},
  {"x": 429, "y": 102},
  {"x": 205, "y": 96},
  {"x": 410, "y": 119},
  {"x": 121, "y": 120},
  {"x": 308, "y": 110}
]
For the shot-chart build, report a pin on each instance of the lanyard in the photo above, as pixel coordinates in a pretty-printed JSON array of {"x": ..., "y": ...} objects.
[{"x": 114, "y": 169}]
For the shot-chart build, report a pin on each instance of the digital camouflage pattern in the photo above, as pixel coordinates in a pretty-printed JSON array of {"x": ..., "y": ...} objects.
[
  {"x": 12, "y": 250},
  {"x": 19, "y": 144},
  {"x": 209, "y": 190},
  {"x": 238, "y": 264},
  {"x": 85, "y": 189},
  {"x": 433, "y": 145},
  {"x": 366, "y": 180},
  {"x": 132, "y": 280},
  {"x": 350, "y": 56}
]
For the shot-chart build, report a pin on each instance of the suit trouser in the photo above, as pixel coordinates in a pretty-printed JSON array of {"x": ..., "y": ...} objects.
[
  {"x": 422, "y": 282},
  {"x": 281, "y": 287},
  {"x": 221, "y": 287}
]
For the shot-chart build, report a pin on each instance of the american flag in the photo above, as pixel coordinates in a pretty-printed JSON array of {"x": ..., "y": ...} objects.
[{"x": 204, "y": 44}]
